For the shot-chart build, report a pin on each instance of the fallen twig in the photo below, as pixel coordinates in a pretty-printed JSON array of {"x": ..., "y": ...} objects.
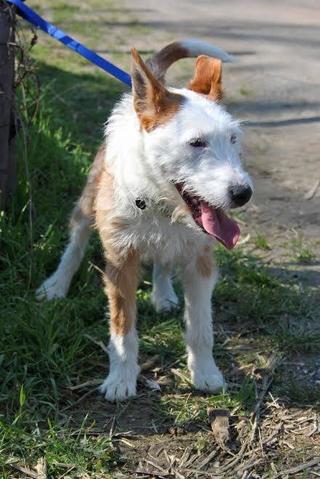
[
  {"x": 28, "y": 472},
  {"x": 266, "y": 383},
  {"x": 209, "y": 458},
  {"x": 41, "y": 468},
  {"x": 301, "y": 467},
  {"x": 180, "y": 375},
  {"x": 150, "y": 363},
  {"x": 84, "y": 396},
  {"x": 155, "y": 465},
  {"x": 91, "y": 382},
  {"x": 202, "y": 473},
  {"x": 153, "y": 475},
  {"x": 98, "y": 343},
  {"x": 310, "y": 194}
]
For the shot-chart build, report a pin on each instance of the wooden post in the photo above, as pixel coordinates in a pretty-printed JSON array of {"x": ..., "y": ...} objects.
[{"x": 7, "y": 104}]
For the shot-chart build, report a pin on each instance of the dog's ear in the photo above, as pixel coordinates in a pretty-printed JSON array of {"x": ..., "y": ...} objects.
[
  {"x": 207, "y": 78},
  {"x": 153, "y": 103}
]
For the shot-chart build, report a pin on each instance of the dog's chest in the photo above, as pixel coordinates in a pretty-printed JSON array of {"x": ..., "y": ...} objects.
[{"x": 158, "y": 239}]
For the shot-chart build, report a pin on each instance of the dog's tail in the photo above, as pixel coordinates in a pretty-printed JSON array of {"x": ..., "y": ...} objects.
[{"x": 162, "y": 60}]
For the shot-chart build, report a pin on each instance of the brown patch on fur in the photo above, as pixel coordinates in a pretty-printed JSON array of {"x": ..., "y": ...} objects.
[
  {"x": 106, "y": 223},
  {"x": 83, "y": 211},
  {"x": 122, "y": 265},
  {"x": 104, "y": 199},
  {"x": 169, "y": 107},
  {"x": 153, "y": 103},
  {"x": 121, "y": 281},
  {"x": 205, "y": 265},
  {"x": 208, "y": 77}
]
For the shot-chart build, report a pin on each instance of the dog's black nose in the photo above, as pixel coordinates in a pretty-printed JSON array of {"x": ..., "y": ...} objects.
[{"x": 239, "y": 195}]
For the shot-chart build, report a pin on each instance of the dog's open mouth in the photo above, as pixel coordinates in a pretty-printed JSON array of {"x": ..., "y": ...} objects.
[{"x": 213, "y": 221}]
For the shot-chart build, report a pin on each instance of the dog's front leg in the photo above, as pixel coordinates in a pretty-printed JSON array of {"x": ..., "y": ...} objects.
[
  {"x": 199, "y": 278},
  {"x": 121, "y": 280}
]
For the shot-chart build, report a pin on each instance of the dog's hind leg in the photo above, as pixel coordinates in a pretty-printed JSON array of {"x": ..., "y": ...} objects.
[
  {"x": 57, "y": 285},
  {"x": 163, "y": 296}
]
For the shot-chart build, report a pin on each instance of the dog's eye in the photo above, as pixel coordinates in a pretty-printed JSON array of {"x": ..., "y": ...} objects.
[
  {"x": 198, "y": 143},
  {"x": 233, "y": 138}
]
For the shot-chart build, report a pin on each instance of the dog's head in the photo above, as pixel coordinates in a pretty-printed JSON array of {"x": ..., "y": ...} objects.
[{"x": 193, "y": 144}]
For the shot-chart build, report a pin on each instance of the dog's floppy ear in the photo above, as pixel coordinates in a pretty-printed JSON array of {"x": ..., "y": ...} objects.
[
  {"x": 153, "y": 103},
  {"x": 207, "y": 79}
]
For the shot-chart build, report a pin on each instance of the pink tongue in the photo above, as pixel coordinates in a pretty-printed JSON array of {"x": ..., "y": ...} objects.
[{"x": 219, "y": 225}]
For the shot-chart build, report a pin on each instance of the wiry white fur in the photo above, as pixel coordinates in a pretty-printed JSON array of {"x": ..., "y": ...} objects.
[
  {"x": 163, "y": 296},
  {"x": 146, "y": 165},
  {"x": 199, "y": 335},
  {"x": 57, "y": 285},
  {"x": 121, "y": 381}
]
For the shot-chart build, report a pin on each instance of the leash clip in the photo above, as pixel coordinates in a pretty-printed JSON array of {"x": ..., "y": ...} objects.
[{"x": 141, "y": 204}]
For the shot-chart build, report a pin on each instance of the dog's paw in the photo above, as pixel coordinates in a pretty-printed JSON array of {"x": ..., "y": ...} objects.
[
  {"x": 165, "y": 302},
  {"x": 209, "y": 380},
  {"x": 118, "y": 388},
  {"x": 52, "y": 288}
]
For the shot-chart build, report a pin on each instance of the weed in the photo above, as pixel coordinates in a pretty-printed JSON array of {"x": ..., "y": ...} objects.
[
  {"x": 302, "y": 253},
  {"x": 261, "y": 242}
]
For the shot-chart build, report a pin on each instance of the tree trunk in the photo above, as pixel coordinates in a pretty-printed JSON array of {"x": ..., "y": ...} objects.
[{"x": 7, "y": 104}]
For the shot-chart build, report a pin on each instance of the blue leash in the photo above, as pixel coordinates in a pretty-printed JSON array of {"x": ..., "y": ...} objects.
[{"x": 31, "y": 16}]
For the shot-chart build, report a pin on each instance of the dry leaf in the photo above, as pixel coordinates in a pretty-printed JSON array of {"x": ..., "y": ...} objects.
[
  {"x": 41, "y": 468},
  {"x": 219, "y": 421}
]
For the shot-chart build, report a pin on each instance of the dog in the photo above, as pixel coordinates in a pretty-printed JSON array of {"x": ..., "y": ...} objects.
[{"x": 159, "y": 190}]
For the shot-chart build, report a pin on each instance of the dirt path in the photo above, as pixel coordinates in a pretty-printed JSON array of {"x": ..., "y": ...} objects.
[{"x": 274, "y": 87}]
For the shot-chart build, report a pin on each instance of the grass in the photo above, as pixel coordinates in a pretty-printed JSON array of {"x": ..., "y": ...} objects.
[
  {"x": 261, "y": 242},
  {"x": 65, "y": 450},
  {"x": 48, "y": 353},
  {"x": 302, "y": 253}
]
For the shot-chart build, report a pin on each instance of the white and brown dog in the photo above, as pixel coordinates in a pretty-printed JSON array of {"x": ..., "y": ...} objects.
[{"x": 158, "y": 190}]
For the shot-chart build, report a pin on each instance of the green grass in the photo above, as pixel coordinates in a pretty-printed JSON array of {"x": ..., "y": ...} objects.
[
  {"x": 65, "y": 450},
  {"x": 261, "y": 242},
  {"x": 302, "y": 253},
  {"x": 46, "y": 348}
]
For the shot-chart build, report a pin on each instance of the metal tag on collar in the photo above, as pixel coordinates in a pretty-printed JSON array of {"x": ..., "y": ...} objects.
[{"x": 141, "y": 204}]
